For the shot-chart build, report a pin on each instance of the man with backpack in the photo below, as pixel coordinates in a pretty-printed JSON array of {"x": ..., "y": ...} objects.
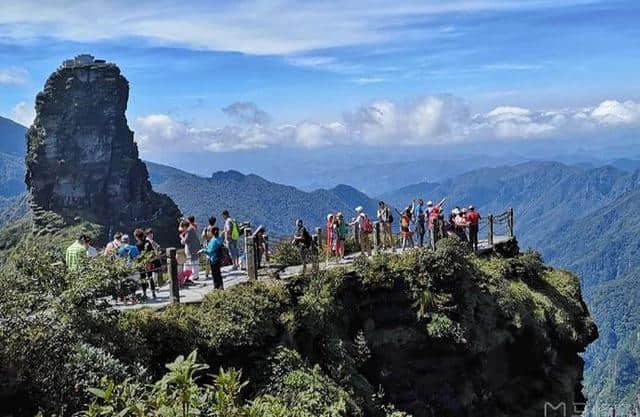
[
  {"x": 386, "y": 220},
  {"x": 302, "y": 239},
  {"x": 365, "y": 227},
  {"x": 231, "y": 234}
]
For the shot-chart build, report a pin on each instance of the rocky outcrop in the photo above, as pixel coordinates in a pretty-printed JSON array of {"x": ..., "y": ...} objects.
[{"x": 82, "y": 162}]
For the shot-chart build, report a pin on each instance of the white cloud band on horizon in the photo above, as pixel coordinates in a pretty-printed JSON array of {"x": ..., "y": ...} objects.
[{"x": 427, "y": 120}]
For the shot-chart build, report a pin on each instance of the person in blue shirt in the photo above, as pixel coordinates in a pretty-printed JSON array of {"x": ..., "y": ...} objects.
[
  {"x": 214, "y": 255},
  {"x": 127, "y": 250}
]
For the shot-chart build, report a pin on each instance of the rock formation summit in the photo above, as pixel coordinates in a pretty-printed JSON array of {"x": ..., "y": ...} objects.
[{"x": 82, "y": 161}]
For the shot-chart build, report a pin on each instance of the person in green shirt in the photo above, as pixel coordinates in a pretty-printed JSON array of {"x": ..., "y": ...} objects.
[{"x": 76, "y": 251}]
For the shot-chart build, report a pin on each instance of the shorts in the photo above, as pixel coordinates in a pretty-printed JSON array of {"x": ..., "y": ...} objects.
[{"x": 233, "y": 248}]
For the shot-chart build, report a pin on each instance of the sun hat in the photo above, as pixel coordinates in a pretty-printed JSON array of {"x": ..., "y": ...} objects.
[
  {"x": 429, "y": 203},
  {"x": 359, "y": 209}
]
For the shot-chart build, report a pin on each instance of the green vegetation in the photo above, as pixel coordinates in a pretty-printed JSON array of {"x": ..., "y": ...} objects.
[{"x": 341, "y": 343}]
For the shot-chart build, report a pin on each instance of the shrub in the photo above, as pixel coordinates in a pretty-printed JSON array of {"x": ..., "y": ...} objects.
[
  {"x": 244, "y": 316},
  {"x": 286, "y": 254}
]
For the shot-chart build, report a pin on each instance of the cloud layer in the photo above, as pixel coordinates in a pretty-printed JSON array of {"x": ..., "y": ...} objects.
[
  {"x": 14, "y": 76},
  {"x": 427, "y": 120},
  {"x": 279, "y": 27}
]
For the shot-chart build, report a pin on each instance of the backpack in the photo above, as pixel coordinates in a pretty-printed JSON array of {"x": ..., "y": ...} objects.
[
  {"x": 235, "y": 232},
  {"x": 367, "y": 226},
  {"x": 390, "y": 218},
  {"x": 343, "y": 230},
  {"x": 224, "y": 257}
]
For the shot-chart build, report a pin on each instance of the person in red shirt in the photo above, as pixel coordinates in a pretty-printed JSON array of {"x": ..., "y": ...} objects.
[{"x": 473, "y": 217}]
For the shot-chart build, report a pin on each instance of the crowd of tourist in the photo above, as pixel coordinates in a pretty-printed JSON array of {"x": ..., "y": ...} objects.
[
  {"x": 416, "y": 219},
  {"x": 143, "y": 252},
  {"x": 221, "y": 246}
]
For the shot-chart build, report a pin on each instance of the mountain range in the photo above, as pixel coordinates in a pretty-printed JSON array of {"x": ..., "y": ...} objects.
[
  {"x": 252, "y": 198},
  {"x": 580, "y": 216}
]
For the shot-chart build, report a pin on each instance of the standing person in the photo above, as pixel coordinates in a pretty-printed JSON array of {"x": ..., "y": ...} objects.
[
  {"x": 419, "y": 217},
  {"x": 386, "y": 220},
  {"x": 157, "y": 251},
  {"x": 462, "y": 224},
  {"x": 335, "y": 238},
  {"x": 405, "y": 227},
  {"x": 213, "y": 251},
  {"x": 114, "y": 245},
  {"x": 343, "y": 231},
  {"x": 76, "y": 251},
  {"x": 191, "y": 247},
  {"x": 205, "y": 237},
  {"x": 145, "y": 249},
  {"x": 366, "y": 228},
  {"x": 127, "y": 250},
  {"x": 302, "y": 239},
  {"x": 91, "y": 251},
  {"x": 192, "y": 222},
  {"x": 473, "y": 217},
  {"x": 231, "y": 235},
  {"x": 262, "y": 245},
  {"x": 329, "y": 226}
]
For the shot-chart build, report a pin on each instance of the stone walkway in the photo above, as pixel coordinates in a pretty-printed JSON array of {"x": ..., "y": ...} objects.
[{"x": 196, "y": 292}]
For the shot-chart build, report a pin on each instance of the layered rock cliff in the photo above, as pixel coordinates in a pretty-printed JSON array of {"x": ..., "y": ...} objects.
[{"x": 82, "y": 161}]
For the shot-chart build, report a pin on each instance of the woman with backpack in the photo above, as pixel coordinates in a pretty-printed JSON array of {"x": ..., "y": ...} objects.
[
  {"x": 214, "y": 256},
  {"x": 365, "y": 227}
]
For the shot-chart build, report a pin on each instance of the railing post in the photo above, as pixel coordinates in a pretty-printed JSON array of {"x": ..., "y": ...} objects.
[
  {"x": 321, "y": 243},
  {"x": 356, "y": 233},
  {"x": 490, "y": 230},
  {"x": 510, "y": 223},
  {"x": 376, "y": 236},
  {"x": 252, "y": 267},
  {"x": 247, "y": 235},
  {"x": 315, "y": 254},
  {"x": 172, "y": 269}
]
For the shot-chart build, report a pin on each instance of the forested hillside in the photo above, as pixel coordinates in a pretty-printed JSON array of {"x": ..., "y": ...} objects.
[
  {"x": 254, "y": 199},
  {"x": 583, "y": 219}
]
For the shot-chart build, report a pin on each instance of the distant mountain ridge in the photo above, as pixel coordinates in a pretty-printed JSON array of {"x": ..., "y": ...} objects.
[
  {"x": 252, "y": 198},
  {"x": 12, "y": 139}
]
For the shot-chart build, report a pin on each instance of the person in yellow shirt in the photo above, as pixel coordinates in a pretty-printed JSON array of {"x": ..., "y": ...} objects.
[{"x": 76, "y": 251}]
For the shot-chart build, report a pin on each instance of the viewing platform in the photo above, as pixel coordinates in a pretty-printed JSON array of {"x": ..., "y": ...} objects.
[{"x": 499, "y": 230}]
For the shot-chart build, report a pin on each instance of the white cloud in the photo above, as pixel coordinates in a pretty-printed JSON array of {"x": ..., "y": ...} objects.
[
  {"x": 427, "y": 120},
  {"x": 14, "y": 76},
  {"x": 613, "y": 112},
  {"x": 368, "y": 80},
  {"x": 279, "y": 27},
  {"x": 23, "y": 113}
]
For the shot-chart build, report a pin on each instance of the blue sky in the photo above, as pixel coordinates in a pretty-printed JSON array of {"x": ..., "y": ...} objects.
[{"x": 338, "y": 72}]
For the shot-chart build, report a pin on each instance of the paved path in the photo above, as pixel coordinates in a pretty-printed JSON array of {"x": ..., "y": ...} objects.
[{"x": 195, "y": 293}]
